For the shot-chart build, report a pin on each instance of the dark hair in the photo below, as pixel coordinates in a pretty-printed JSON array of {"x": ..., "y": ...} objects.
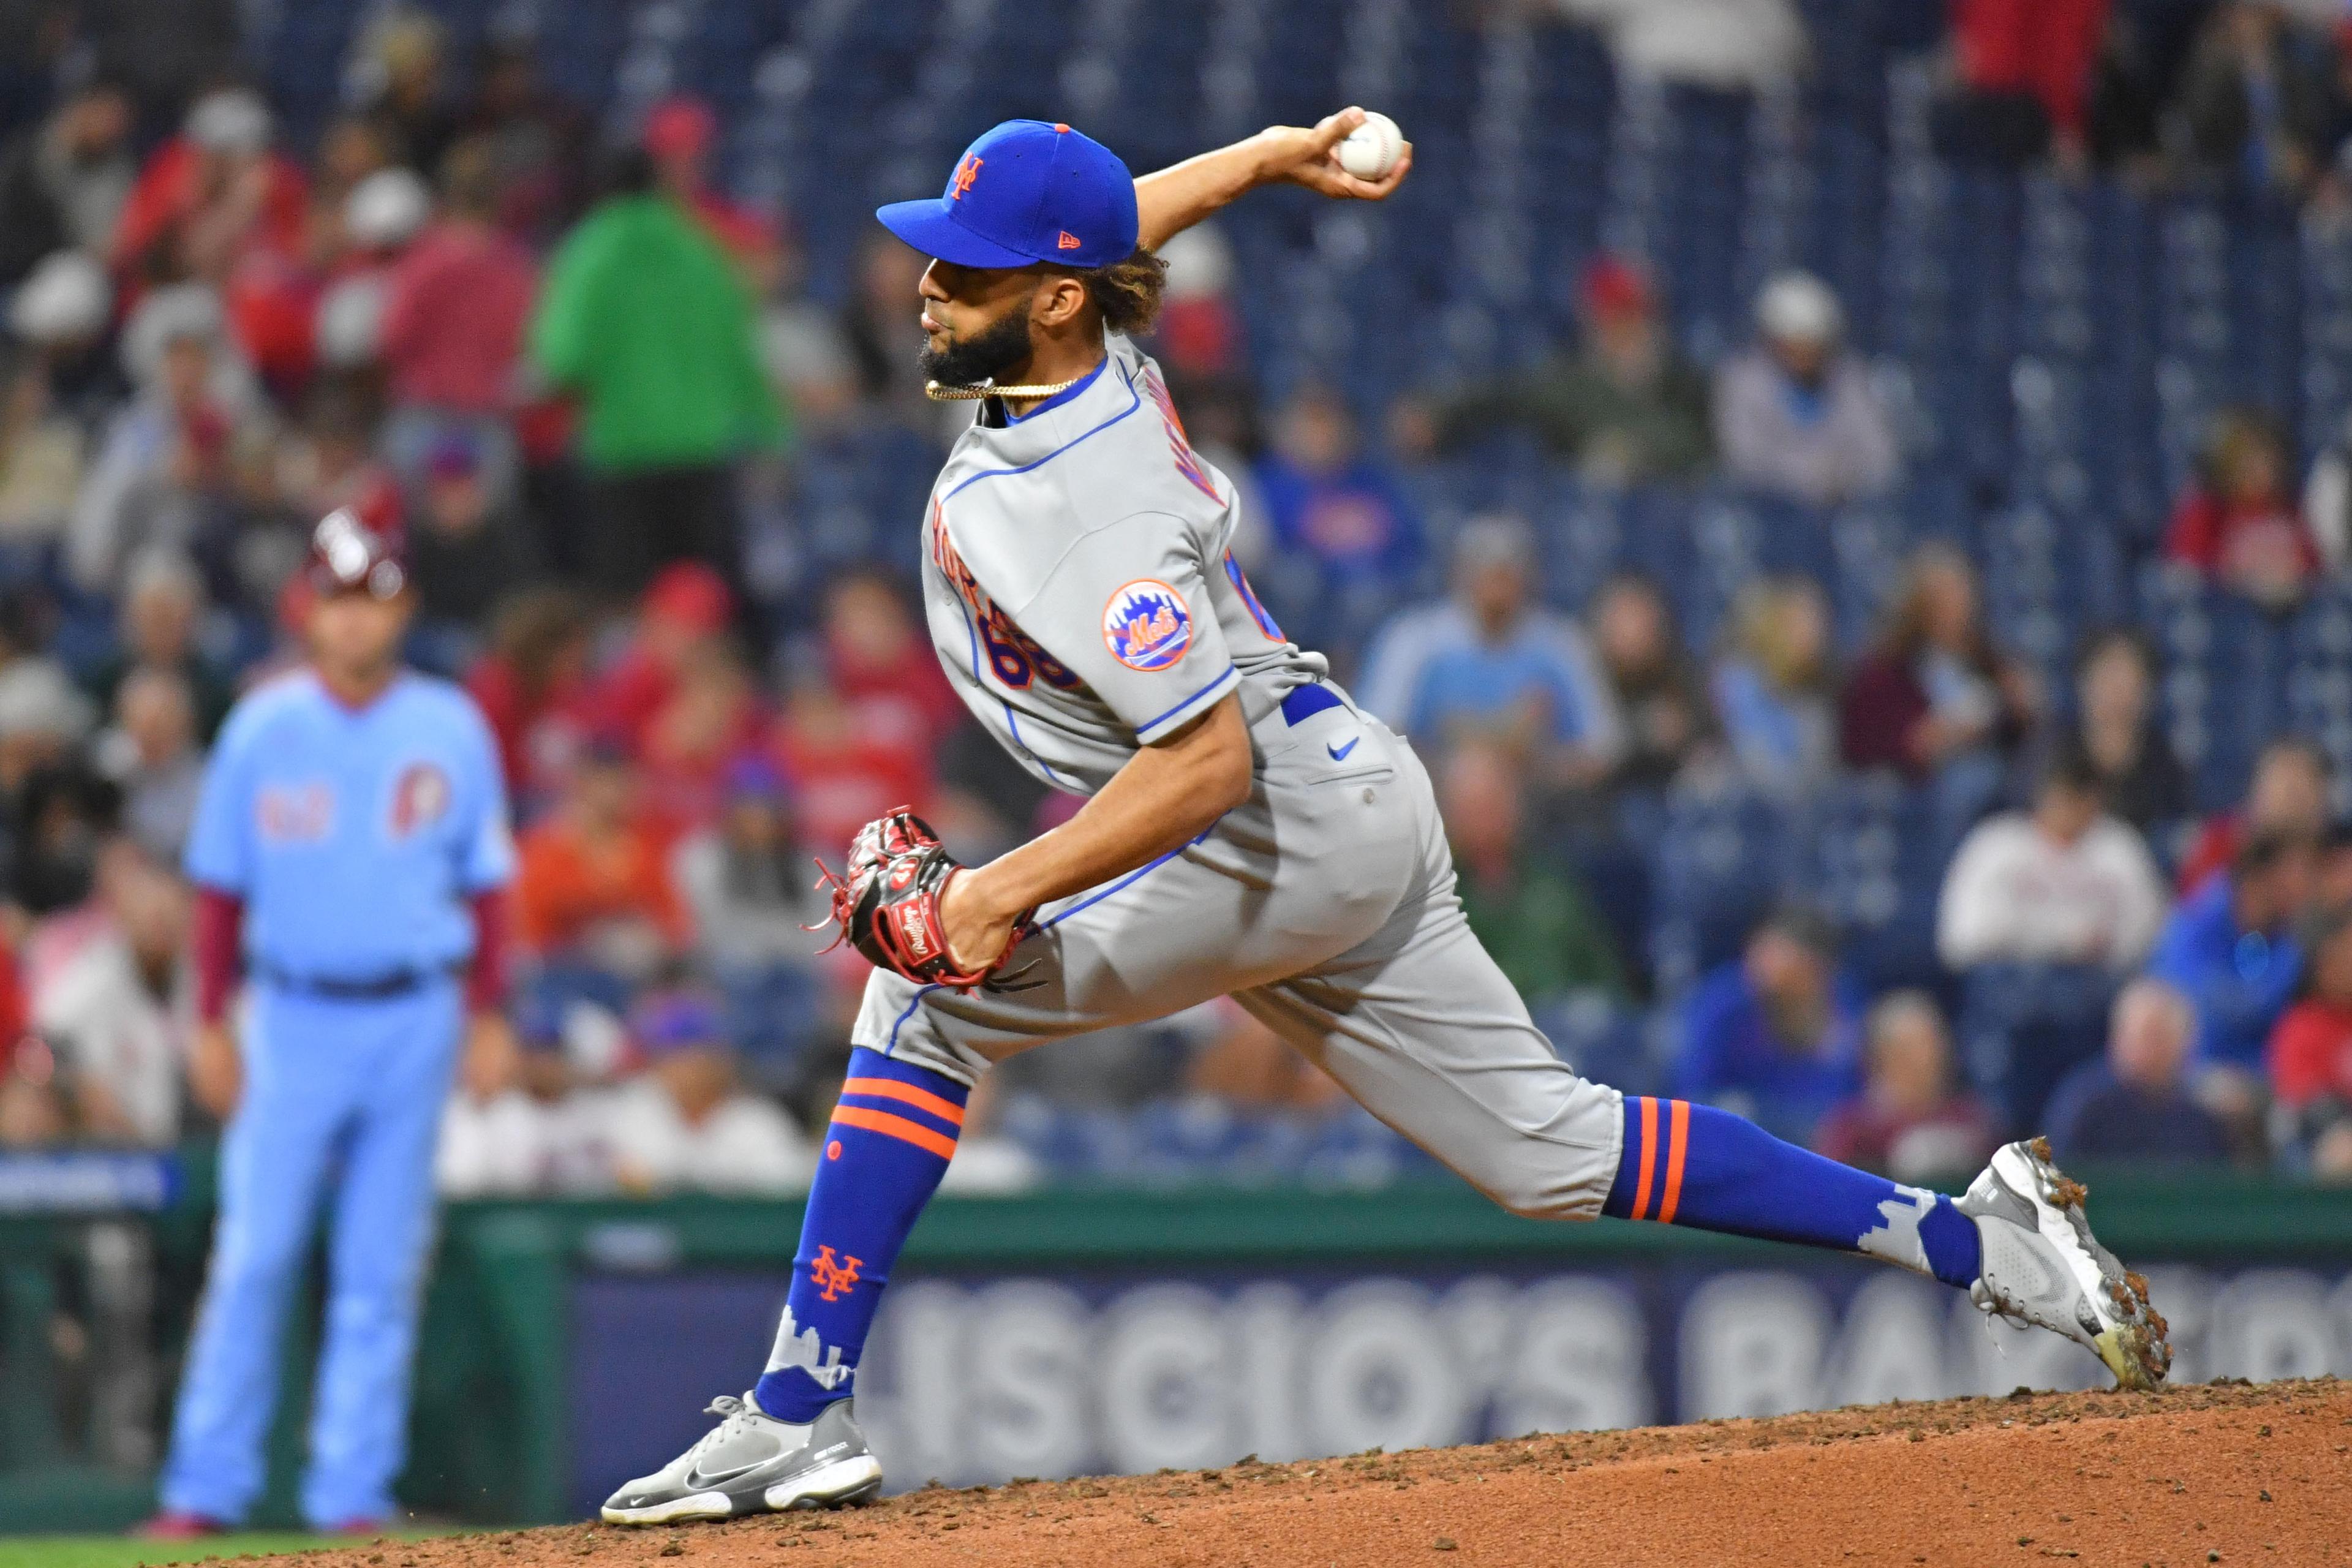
[
  {"x": 2262, "y": 850},
  {"x": 2070, "y": 768},
  {"x": 2095, "y": 643},
  {"x": 531, "y": 629},
  {"x": 625, "y": 171},
  {"x": 1904, "y": 632},
  {"x": 469, "y": 177},
  {"x": 1806, "y": 926},
  {"x": 1128, "y": 293},
  {"x": 2319, "y": 927}
]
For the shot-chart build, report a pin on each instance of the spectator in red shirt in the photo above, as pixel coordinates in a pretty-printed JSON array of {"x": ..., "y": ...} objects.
[
  {"x": 2025, "y": 69},
  {"x": 2238, "y": 522},
  {"x": 533, "y": 688},
  {"x": 714, "y": 718},
  {"x": 217, "y": 205},
  {"x": 679, "y": 135},
  {"x": 880, "y": 665},
  {"x": 2311, "y": 1051},
  {"x": 1909, "y": 1122},
  {"x": 452, "y": 331},
  {"x": 844, "y": 775},
  {"x": 209, "y": 194},
  {"x": 2289, "y": 795},
  {"x": 686, "y": 605}
]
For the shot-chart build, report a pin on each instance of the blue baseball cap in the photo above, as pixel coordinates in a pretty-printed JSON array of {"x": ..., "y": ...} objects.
[{"x": 1025, "y": 192}]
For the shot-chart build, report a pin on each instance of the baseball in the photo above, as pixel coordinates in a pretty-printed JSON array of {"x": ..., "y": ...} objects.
[{"x": 1373, "y": 148}]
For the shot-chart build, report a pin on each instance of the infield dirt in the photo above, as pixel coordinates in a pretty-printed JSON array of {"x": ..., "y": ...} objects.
[{"x": 2209, "y": 1473}]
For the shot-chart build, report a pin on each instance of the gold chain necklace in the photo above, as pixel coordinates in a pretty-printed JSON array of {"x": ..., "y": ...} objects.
[{"x": 939, "y": 394}]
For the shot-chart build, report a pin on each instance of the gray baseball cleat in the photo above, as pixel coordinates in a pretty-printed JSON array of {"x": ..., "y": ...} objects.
[
  {"x": 2042, "y": 1266},
  {"x": 752, "y": 1463}
]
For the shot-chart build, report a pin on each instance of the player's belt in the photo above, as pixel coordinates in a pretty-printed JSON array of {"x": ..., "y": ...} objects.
[
  {"x": 1306, "y": 701},
  {"x": 351, "y": 988}
]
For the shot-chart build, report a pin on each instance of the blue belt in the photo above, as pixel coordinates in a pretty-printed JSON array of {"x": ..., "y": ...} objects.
[{"x": 1306, "y": 701}]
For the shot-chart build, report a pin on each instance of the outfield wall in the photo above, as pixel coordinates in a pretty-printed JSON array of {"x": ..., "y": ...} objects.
[{"x": 569, "y": 1344}]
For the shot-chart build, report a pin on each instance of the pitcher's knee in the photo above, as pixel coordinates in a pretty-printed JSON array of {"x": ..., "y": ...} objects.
[{"x": 1541, "y": 1179}]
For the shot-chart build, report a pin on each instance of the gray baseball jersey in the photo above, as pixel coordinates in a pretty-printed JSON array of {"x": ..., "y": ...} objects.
[
  {"x": 1081, "y": 591},
  {"x": 1080, "y": 583}
]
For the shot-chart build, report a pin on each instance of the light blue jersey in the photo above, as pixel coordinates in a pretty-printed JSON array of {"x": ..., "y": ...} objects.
[{"x": 355, "y": 838}]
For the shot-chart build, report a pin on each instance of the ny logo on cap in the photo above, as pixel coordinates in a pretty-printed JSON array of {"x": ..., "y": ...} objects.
[
  {"x": 966, "y": 172},
  {"x": 1068, "y": 241}
]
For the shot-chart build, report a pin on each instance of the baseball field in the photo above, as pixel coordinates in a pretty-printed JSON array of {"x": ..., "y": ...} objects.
[{"x": 2209, "y": 1473}]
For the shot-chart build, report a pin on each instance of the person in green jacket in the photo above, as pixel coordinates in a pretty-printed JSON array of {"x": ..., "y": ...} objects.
[
  {"x": 645, "y": 321},
  {"x": 1626, "y": 407},
  {"x": 1524, "y": 906}
]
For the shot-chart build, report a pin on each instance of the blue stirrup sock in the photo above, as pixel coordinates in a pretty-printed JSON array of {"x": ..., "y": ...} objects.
[
  {"x": 1694, "y": 1166},
  {"x": 892, "y": 1136}
]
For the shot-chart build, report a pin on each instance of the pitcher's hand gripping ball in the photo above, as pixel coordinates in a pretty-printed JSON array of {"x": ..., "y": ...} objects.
[
  {"x": 886, "y": 903},
  {"x": 1371, "y": 149}
]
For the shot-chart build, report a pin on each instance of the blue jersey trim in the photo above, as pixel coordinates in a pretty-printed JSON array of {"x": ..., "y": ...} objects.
[
  {"x": 1228, "y": 671},
  {"x": 1015, "y": 725},
  {"x": 1089, "y": 901},
  {"x": 1075, "y": 389},
  {"x": 1135, "y": 400},
  {"x": 973, "y": 627},
  {"x": 912, "y": 1003}
]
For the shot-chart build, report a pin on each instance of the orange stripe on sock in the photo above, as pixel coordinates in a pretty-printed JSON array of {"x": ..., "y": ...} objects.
[
  {"x": 1649, "y": 1151},
  {"x": 1674, "y": 1140},
  {"x": 920, "y": 1099},
  {"x": 897, "y": 1127}
]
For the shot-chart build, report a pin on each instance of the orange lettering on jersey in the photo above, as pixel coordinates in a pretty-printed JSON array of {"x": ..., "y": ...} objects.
[
  {"x": 966, "y": 172},
  {"x": 1187, "y": 464},
  {"x": 1013, "y": 653}
]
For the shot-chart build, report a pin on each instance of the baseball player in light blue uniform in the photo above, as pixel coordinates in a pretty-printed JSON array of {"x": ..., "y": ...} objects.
[
  {"x": 1248, "y": 830},
  {"x": 352, "y": 830}
]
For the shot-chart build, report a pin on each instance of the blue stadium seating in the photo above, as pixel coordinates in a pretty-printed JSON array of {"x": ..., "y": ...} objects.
[
  {"x": 2024, "y": 1026},
  {"x": 2058, "y": 348}
]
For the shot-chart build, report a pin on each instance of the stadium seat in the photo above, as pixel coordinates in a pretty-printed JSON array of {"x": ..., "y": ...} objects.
[{"x": 2024, "y": 1026}]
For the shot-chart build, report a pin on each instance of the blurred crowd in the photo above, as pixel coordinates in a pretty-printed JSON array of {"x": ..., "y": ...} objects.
[
  {"x": 583, "y": 383},
  {"x": 2158, "y": 91}
]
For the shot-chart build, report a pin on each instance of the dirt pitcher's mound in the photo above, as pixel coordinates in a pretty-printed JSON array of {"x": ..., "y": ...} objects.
[{"x": 2205, "y": 1474}]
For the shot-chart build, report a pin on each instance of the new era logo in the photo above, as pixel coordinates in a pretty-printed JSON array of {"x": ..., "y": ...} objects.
[{"x": 1068, "y": 241}]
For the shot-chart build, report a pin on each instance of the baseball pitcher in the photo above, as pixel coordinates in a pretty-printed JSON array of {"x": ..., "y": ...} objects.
[{"x": 1248, "y": 830}]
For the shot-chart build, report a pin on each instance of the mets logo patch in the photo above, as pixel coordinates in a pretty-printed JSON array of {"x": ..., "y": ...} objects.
[{"x": 1148, "y": 624}]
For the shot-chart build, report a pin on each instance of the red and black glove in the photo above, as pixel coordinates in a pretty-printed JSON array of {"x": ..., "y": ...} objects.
[{"x": 886, "y": 903}]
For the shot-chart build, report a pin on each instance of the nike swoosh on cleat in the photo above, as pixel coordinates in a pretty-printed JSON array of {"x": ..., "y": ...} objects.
[
  {"x": 1340, "y": 753},
  {"x": 701, "y": 1480}
]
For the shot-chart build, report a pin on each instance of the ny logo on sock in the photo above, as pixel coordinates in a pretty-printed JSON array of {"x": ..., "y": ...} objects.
[{"x": 833, "y": 1279}]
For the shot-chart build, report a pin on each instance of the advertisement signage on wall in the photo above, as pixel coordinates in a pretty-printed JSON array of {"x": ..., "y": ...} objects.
[{"x": 983, "y": 1377}]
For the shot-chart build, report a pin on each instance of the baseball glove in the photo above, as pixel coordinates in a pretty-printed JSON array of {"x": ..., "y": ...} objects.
[{"x": 886, "y": 904}]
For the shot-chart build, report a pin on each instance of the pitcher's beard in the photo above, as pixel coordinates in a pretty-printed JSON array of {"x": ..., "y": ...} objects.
[{"x": 981, "y": 358}]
